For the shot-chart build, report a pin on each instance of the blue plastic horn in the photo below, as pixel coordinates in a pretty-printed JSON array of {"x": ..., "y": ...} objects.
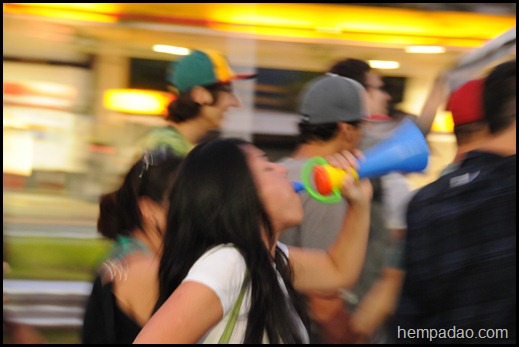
[{"x": 406, "y": 150}]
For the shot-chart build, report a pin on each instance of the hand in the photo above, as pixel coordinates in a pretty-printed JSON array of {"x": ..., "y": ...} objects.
[{"x": 354, "y": 191}]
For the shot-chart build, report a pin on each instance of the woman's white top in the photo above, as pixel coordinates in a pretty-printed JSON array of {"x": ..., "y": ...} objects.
[{"x": 222, "y": 269}]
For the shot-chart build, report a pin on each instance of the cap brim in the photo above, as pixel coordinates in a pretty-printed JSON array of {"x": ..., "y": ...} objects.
[{"x": 244, "y": 76}]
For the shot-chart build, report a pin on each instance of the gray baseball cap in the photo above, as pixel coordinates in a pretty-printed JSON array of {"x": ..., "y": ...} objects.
[{"x": 332, "y": 98}]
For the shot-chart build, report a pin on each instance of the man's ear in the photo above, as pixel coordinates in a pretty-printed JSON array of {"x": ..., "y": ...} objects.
[
  {"x": 346, "y": 129},
  {"x": 201, "y": 95}
]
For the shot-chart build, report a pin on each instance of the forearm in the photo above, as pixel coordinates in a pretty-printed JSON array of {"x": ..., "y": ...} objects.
[
  {"x": 340, "y": 266},
  {"x": 348, "y": 251},
  {"x": 332, "y": 318},
  {"x": 378, "y": 304},
  {"x": 436, "y": 96}
]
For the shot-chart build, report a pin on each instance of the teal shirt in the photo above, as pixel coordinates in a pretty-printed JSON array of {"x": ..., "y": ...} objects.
[
  {"x": 115, "y": 264},
  {"x": 125, "y": 245}
]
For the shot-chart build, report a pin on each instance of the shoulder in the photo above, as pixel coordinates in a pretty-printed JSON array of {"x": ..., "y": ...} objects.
[
  {"x": 125, "y": 252},
  {"x": 166, "y": 136},
  {"x": 428, "y": 191},
  {"x": 157, "y": 133},
  {"x": 134, "y": 270},
  {"x": 289, "y": 161},
  {"x": 222, "y": 269},
  {"x": 294, "y": 166},
  {"x": 479, "y": 175},
  {"x": 222, "y": 254},
  {"x": 491, "y": 161},
  {"x": 141, "y": 276},
  {"x": 137, "y": 290},
  {"x": 142, "y": 265},
  {"x": 220, "y": 259}
]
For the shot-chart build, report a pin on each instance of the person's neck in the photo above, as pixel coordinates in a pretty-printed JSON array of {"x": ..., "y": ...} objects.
[
  {"x": 151, "y": 239},
  {"x": 316, "y": 148},
  {"x": 475, "y": 142},
  {"x": 504, "y": 143},
  {"x": 192, "y": 130}
]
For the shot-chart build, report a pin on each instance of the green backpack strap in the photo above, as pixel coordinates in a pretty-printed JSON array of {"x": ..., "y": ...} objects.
[{"x": 229, "y": 327}]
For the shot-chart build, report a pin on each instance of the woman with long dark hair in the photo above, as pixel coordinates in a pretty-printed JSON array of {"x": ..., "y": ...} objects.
[{"x": 227, "y": 209}]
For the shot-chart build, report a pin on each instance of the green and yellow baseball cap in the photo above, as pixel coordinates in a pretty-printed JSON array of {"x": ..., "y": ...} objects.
[{"x": 201, "y": 68}]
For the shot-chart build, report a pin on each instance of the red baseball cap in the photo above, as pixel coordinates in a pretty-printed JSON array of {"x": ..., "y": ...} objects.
[{"x": 466, "y": 102}]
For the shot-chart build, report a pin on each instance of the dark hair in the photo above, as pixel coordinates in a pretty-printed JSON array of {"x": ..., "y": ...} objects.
[
  {"x": 316, "y": 132},
  {"x": 152, "y": 176},
  {"x": 184, "y": 108},
  {"x": 499, "y": 96},
  {"x": 352, "y": 68},
  {"x": 214, "y": 201}
]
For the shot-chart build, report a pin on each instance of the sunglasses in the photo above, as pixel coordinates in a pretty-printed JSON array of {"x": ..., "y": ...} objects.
[
  {"x": 381, "y": 88},
  {"x": 355, "y": 123},
  {"x": 225, "y": 88},
  {"x": 220, "y": 88}
]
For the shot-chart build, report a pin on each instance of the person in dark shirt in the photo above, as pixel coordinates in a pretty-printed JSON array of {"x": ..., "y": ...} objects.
[{"x": 460, "y": 254}]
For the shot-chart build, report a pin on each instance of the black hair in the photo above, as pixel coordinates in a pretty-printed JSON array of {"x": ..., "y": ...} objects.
[
  {"x": 214, "y": 201},
  {"x": 152, "y": 176},
  {"x": 316, "y": 132},
  {"x": 184, "y": 108},
  {"x": 499, "y": 96},
  {"x": 352, "y": 68}
]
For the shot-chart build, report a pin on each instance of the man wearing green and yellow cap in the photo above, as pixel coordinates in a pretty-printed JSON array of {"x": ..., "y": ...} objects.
[{"x": 201, "y": 83}]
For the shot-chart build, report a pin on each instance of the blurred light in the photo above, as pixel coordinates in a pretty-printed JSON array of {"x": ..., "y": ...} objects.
[
  {"x": 37, "y": 93},
  {"x": 18, "y": 153},
  {"x": 92, "y": 7},
  {"x": 425, "y": 49},
  {"x": 283, "y": 16},
  {"x": 357, "y": 23},
  {"x": 137, "y": 101},
  {"x": 99, "y": 13},
  {"x": 57, "y": 90},
  {"x": 443, "y": 122},
  {"x": 9, "y": 123},
  {"x": 332, "y": 30},
  {"x": 384, "y": 64},
  {"x": 171, "y": 49},
  {"x": 102, "y": 149}
]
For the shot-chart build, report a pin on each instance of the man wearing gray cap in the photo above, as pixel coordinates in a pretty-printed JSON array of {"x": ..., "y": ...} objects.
[{"x": 332, "y": 111}]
